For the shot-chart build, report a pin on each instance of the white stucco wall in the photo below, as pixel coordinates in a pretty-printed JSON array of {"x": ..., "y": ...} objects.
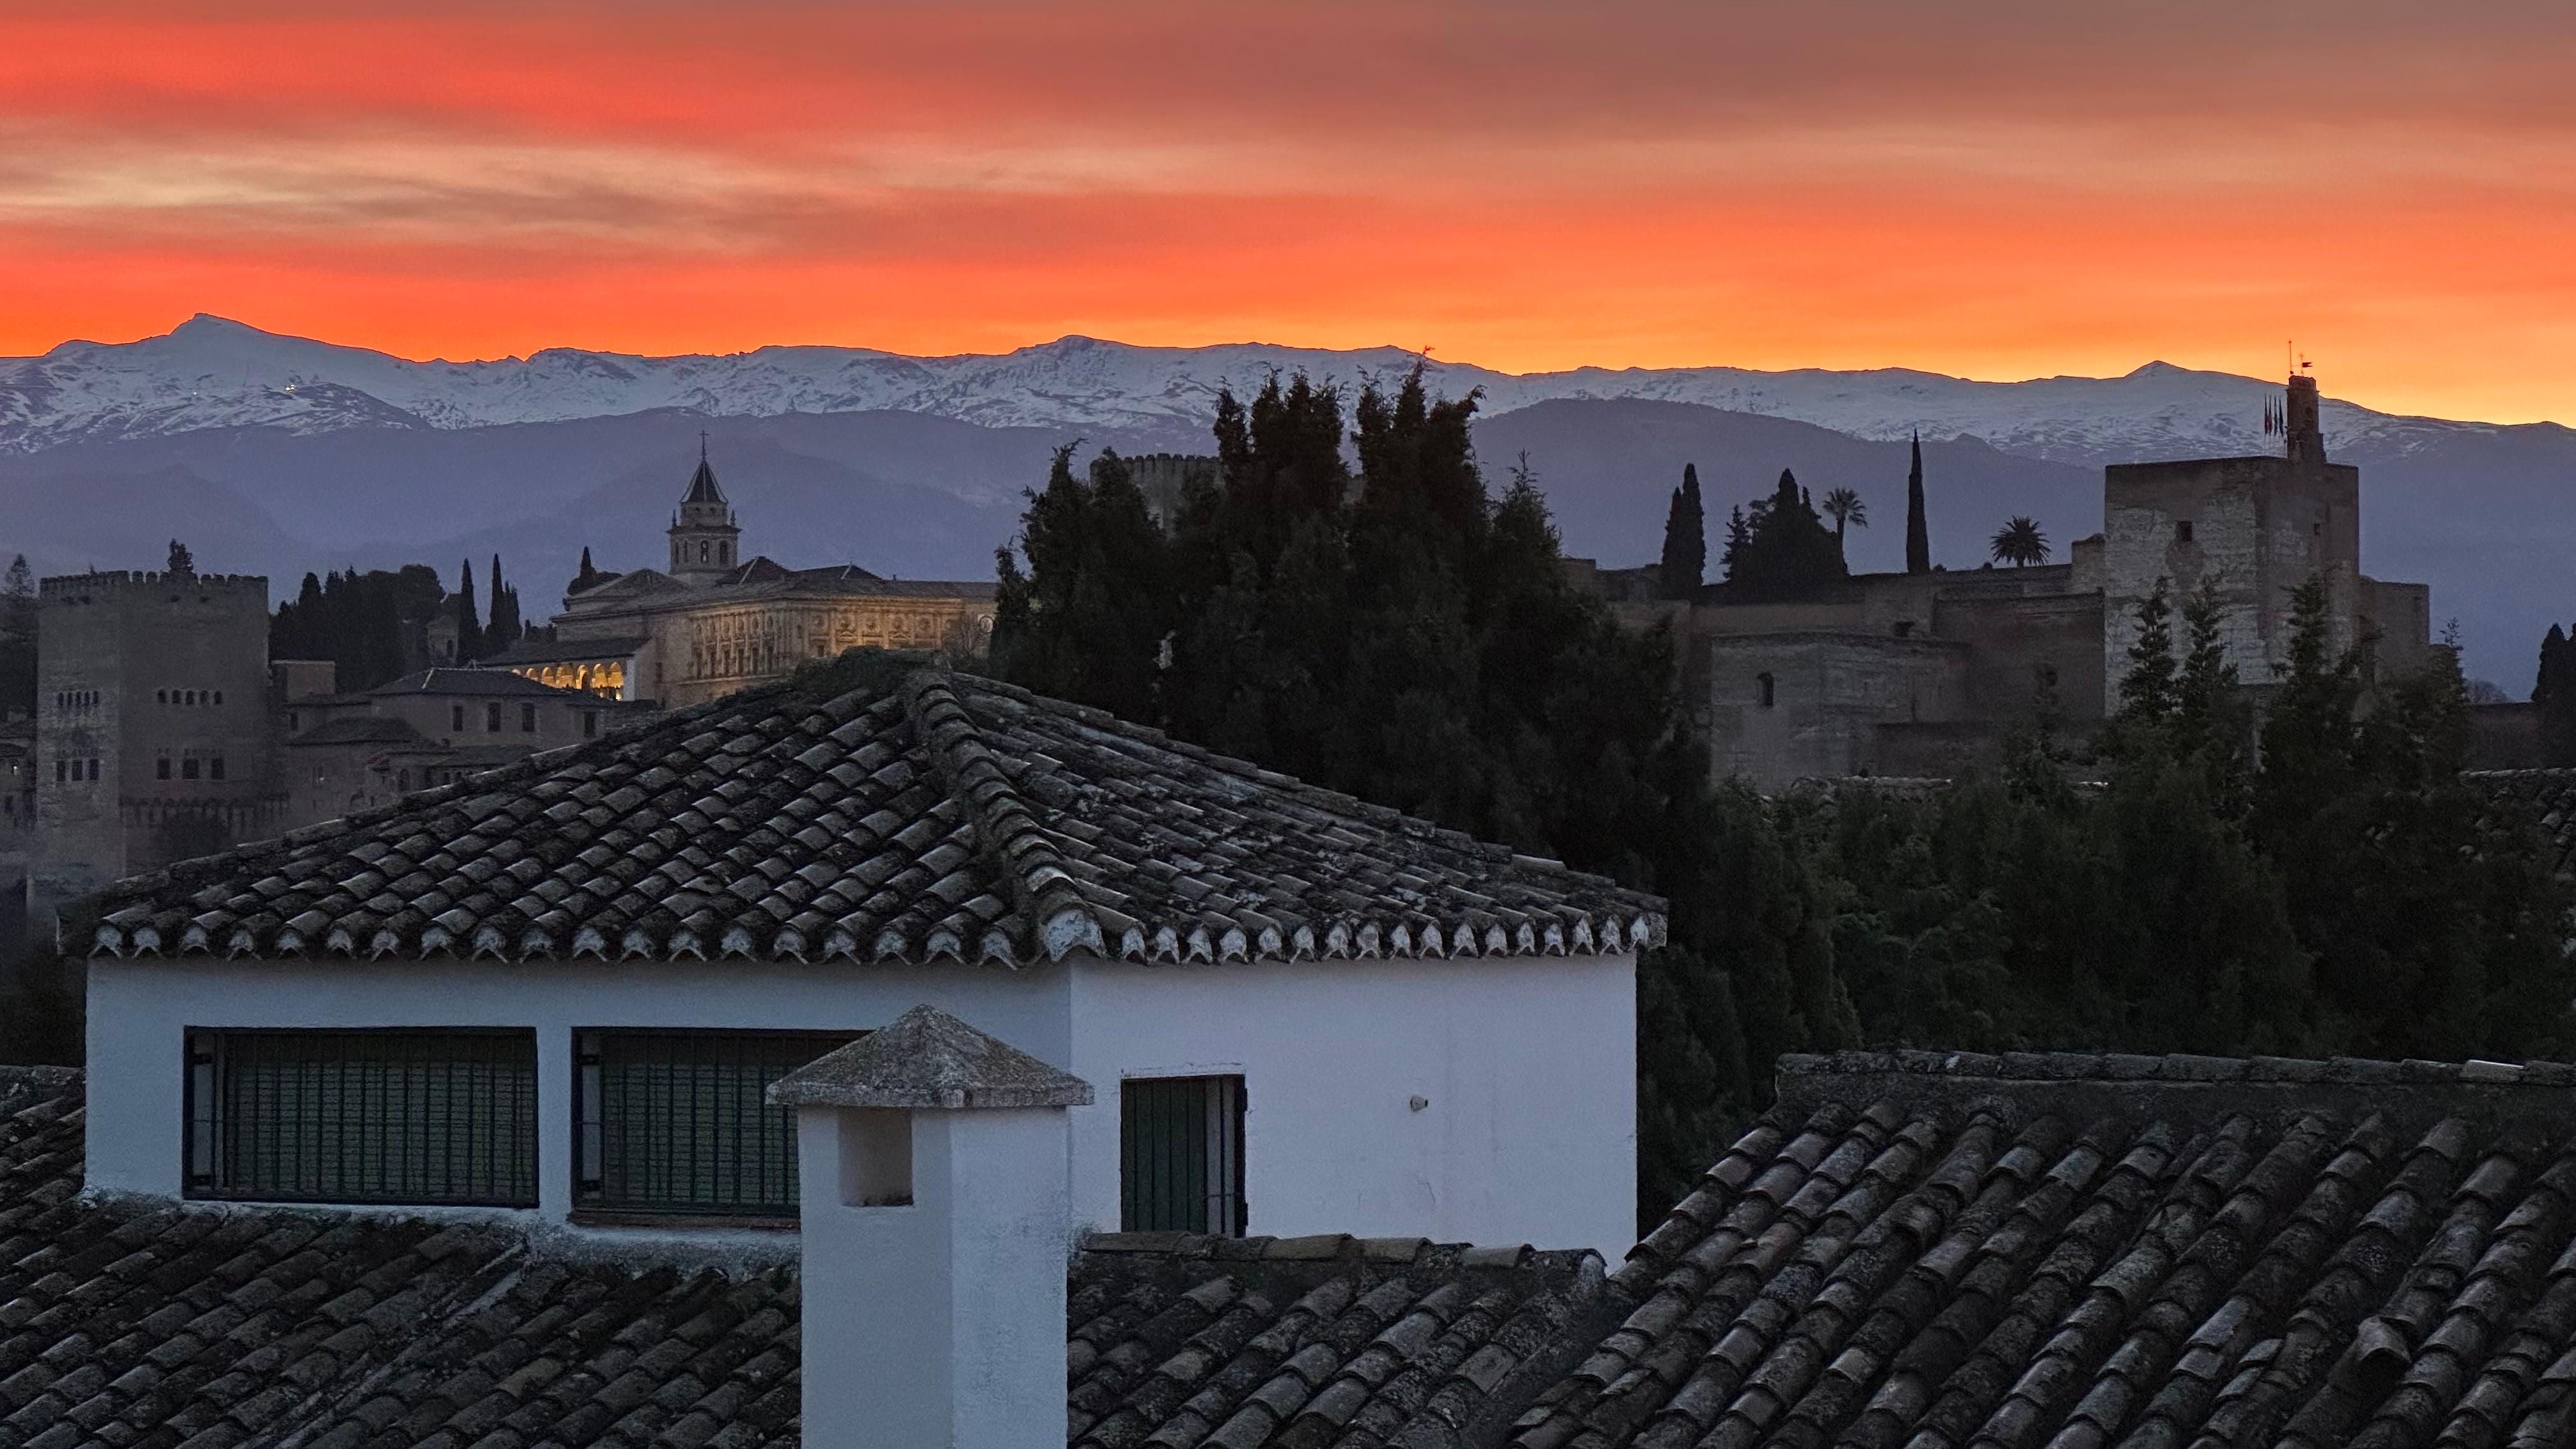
[{"x": 1527, "y": 1066}]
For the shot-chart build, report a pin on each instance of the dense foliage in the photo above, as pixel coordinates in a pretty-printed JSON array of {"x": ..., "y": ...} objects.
[
  {"x": 1779, "y": 546},
  {"x": 18, "y": 638},
  {"x": 2554, "y": 691},
  {"x": 367, "y": 624},
  {"x": 1684, "y": 566},
  {"x": 2326, "y": 883}
]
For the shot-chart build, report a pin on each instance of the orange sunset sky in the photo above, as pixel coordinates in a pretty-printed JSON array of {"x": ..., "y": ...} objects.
[{"x": 1993, "y": 189}]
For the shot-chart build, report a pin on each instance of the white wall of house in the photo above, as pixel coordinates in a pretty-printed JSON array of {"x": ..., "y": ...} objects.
[{"x": 1526, "y": 1067}]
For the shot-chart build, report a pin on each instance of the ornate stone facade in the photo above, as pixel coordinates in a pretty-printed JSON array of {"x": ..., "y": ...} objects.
[{"x": 709, "y": 625}]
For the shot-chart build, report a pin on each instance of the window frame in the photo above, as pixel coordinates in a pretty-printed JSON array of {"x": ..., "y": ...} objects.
[
  {"x": 591, "y": 1135},
  {"x": 202, "y": 1129},
  {"x": 1225, "y": 1205}
]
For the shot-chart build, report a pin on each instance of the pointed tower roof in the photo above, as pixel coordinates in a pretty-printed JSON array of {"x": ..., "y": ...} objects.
[{"x": 702, "y": 483}]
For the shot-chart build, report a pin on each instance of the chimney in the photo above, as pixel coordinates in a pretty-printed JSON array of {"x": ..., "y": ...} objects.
[
  {"x": 936, "y": 1225},
  {"x": 2307, "y": 437}
]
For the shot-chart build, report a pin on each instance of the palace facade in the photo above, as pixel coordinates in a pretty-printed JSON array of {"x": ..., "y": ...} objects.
[{"x": 713, "y": 622}]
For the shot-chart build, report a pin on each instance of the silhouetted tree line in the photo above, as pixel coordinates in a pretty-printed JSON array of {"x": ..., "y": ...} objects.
[
  {"x": 18, "y": 638},
  {"x": 374, "y": 625},
  {"x": 2325, "y": 883}
]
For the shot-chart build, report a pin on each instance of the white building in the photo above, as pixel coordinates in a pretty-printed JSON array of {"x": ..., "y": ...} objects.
[{"x": 556, "y": 993}]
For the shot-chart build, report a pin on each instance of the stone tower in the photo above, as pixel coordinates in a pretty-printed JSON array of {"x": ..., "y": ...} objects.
[
  {"x": 704, "y": 536},
  {"x": 2249, "y": 530},
  {"x": 152, "y": 724}
]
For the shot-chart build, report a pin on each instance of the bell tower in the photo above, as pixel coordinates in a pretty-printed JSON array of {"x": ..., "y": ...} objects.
[{"x": 704, "y": 536}]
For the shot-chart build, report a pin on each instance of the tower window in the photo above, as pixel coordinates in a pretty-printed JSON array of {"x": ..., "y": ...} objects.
[
  {"x": 188, "y": 768},
  {"x": 215, "y": 768},
  {"x": 1768, "y": 689},
  {"x": 2182, "y": 530},
  {"x": 161, "y": 768}
]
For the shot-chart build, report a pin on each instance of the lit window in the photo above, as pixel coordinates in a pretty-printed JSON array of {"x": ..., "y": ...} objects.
[
  {"x": 428, "y": 1117},
  {"x": 676, "y": 1121}
]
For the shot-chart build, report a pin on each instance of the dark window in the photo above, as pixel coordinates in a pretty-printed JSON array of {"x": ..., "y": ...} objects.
[
  {"x": 161, "y": 696},
  {"x": 527, "y": 719},
  {"x": 161, "y": 768},
  {"x": 93, "y": 767},
  {"x": 62, "y": 771},
  {"x": 675, "y": 1121},
  {"x": 188, "y": 768},
  {"x": 2182, "y": 531},
  {"x": 456, "y": 716},
  {"x": 492, "y": 717},
  {"x": 402, "y": 778},
  {"x": 219, "y": 696},
  {"x": 589, "y": 723},
  {"x": 1768, "y": 688},
  {"x": 215, "y": 768},
  {"x": 363, "y": 1116},
  {"x": 1180, "y": 1155}
]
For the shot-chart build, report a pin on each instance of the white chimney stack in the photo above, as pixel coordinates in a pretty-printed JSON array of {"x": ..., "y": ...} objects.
[{"x": 936, "y": 1222}]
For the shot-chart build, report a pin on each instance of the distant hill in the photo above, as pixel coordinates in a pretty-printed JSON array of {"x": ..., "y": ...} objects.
[{"x": 278, "y": 454}]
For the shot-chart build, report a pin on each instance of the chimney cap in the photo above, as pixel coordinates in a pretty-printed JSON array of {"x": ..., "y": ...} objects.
[{"x": 927, "y": 1058}]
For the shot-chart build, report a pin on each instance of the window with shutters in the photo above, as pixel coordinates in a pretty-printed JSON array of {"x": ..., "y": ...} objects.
[
  {"x": 1180, "y": 1155},
  {"x": 446, "y": 1117},
  {"x": 678, "y": 1121}
]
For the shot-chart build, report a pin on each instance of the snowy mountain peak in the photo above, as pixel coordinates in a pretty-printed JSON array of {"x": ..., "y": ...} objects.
[{"x": 213, "y": 372}]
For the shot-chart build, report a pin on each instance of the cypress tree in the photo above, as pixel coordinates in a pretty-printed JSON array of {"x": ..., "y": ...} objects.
[
  {"x": 1918, "y": 534},
  {"x": 18, "y": 637},
  {"x": 1685, "y": 562},
  {"x": 504, "y": 629},
  {"x": 469, "y": 628}
]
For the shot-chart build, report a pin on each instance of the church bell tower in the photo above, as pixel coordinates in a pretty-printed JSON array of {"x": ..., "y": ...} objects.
[{"x": 704, "y": 537}]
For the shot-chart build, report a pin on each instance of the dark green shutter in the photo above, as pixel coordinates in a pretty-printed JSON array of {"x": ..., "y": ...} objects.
[
  {"x": 412, "y": 1117},
  {"x": 677, "y": 1122},
  {"x": 1180, "y": 1151}
]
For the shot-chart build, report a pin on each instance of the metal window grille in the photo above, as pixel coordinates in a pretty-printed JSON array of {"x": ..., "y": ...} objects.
[
  {"x": 1180, "y": 1151},
  {"x": 677, "y": 1121},
  {"x": 413, "y": 1117}
]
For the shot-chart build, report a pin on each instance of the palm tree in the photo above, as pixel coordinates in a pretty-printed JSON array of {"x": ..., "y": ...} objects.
[
  {"x": 1844, "y": 507},
  {"x": 2020, "y": 542}
]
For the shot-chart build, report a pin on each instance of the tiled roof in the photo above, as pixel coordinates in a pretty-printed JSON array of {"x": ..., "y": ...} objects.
[
  {"x": 124, "y": 1323},
  {"x": 128, "y": 1324},
  {"x": 1313, "y": 1343},
  {"x": 946, "y": 817},
  {"x": 1927, "y": 1251},
  {"x": 368, "y": 729},
  {"x": 549, "y": 651},
  {"x": 2550, "y": 796},
  {"x": 453, "y": 680}
]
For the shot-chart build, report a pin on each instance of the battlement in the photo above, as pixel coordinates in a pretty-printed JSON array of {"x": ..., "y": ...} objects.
[{"x": 110, "y": 581}]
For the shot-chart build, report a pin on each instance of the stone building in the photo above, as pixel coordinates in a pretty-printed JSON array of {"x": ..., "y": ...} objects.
[
  {"x": 349, "y": 752},
  {"x": 712, "y": 622},
  {"x": 153, "y": 738},
  {"x": 1929, "y": 671}
]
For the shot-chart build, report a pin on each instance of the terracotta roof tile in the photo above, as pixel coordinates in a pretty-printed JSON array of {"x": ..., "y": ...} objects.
[{"x": 949, "y": 818}]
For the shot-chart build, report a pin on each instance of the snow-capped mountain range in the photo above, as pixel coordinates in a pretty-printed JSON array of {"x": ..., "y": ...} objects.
[{"x": 212, "y": 373}]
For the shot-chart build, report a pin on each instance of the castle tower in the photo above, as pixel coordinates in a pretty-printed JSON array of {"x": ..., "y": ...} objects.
[
  {"x": 152, "y": 724},
  {"x": 704, "y": 536},
  {"x": 2247, "y": 530}
]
